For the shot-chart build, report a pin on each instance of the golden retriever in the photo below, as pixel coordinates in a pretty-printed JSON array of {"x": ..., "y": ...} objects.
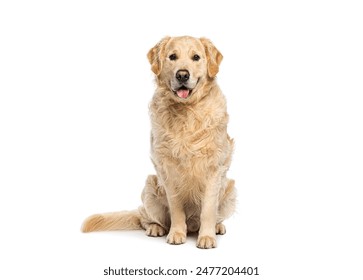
[{"x": 190, "y": 149}]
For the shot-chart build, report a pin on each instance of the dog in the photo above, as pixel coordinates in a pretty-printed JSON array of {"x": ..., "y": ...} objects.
[{"x": 190, "y": 149}]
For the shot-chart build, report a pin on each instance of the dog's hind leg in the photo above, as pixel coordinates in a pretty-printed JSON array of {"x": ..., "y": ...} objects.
[
  {"x": 155, "y": 217},
  {"x": 227, "y": 205}
]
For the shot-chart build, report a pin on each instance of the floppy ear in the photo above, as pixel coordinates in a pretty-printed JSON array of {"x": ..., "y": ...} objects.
[
  {"x": 214, "y": 57},
  {"x": 155, "y": 55}
]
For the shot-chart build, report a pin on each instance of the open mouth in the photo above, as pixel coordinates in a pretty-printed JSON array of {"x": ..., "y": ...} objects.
[{"x": 183, "y": 92}]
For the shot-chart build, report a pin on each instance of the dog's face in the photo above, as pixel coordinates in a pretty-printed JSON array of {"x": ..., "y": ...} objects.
[{"x": 184, "y": 64}]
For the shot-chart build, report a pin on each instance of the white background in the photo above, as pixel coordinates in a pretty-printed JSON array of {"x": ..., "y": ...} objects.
[{"x": 74, "y": 134}]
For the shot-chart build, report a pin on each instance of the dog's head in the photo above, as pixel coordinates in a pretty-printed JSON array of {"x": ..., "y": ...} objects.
[{"x": 184, "y": 64}]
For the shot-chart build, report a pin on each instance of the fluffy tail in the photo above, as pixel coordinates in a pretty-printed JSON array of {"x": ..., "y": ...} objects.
[{"x": 112, "y": 221}]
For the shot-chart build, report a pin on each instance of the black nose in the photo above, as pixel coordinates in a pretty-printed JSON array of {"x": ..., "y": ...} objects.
[{"x": 182, "y": 76}]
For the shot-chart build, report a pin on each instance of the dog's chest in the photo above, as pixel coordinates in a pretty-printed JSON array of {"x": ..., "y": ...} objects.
[{"x": 186, "y": 136}]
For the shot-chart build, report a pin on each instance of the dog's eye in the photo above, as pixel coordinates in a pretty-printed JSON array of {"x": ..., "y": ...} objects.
[
  {"x": 172, "y": 56},
  {"x": 196, "y": 57}
]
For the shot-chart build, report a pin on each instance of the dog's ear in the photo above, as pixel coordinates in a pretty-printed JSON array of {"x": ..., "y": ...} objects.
[
  {"x": 214, "y": 57},
  {"x": 155, "y": 55}
]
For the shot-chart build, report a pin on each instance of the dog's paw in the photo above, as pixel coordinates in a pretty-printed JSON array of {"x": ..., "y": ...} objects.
[
  {"x": 220, "y": 229},
  {"x": 206, "y": 242},
  {"x": 176, "y": 238},
  {"x": 155, "y": 230}
]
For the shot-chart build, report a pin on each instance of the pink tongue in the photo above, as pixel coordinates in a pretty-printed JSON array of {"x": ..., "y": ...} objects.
[{"x": 183, "y": 93}]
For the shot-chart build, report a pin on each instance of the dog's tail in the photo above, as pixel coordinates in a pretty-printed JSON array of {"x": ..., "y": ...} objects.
[{"x": 113, "y": 221}]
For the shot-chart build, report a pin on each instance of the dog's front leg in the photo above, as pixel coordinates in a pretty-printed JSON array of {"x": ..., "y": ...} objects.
[
  {"x": 178, "y": 228},
  {"x": 208, "y": 216}
]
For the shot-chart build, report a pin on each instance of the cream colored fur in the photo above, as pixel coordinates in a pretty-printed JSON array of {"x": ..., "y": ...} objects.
[{"x": 190, "y": 149}]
